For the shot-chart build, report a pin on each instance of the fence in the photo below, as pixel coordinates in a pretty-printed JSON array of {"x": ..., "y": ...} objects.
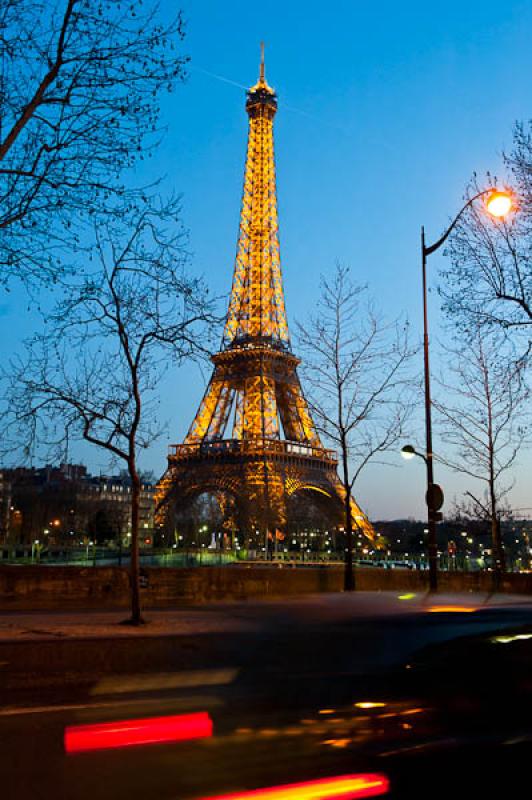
[{"x": 94, "y": 555}]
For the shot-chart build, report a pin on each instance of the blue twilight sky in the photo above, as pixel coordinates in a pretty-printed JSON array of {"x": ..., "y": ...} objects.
[{"x": 385, "y": 110}]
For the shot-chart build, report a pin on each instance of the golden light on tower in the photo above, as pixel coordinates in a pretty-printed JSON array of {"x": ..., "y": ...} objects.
[
  {"x": 499, "y": 204},
  {"x": 253, "y": 436}
]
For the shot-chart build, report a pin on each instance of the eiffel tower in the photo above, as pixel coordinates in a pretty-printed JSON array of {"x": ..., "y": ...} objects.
[{"x": 253, "y": 437}]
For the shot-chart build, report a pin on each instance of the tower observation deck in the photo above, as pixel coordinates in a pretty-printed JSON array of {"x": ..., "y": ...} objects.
[{"x": 253, "y": 436}]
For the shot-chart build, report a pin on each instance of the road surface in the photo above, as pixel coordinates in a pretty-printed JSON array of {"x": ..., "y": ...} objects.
[{"x": 286, "y": 685}]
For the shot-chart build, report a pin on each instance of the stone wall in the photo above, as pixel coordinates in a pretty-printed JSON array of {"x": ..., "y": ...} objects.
[{"x": 38, "y": 587}]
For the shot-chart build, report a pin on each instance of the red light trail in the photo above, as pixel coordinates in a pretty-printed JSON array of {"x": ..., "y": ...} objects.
[{"x": 128, "y": 732}]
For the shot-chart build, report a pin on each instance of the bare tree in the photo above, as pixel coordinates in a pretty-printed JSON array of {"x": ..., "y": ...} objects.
[
  {"x": 483, "y": 419},
  {"x": 490, "y": 278},
  {"x": 94, "y": 372},
  {"x": 357, "y": 367},
  {"x": 80, "y": 86},
  {"x": 467, "y": 513}
]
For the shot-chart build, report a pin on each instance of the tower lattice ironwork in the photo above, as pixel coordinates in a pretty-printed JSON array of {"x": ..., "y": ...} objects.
[{"x": 253, "y": 435}]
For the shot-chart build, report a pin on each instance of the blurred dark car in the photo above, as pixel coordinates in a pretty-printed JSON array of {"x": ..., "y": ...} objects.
[{"x": 454, "y": 722}]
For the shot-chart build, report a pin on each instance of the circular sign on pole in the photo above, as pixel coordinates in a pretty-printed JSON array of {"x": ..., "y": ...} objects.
[{"x": 434, "y": 497}]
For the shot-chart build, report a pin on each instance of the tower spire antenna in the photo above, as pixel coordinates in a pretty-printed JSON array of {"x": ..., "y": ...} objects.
[
  {"x": 262, "y": 78},
  {"x": 262, "y": 85}
]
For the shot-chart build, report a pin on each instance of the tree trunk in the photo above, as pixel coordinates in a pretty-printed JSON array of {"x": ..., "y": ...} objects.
[
  {"x": 496, "y": 541},
  {"x": 349, "y": 573},
  {"x": 134, "y": 577}
]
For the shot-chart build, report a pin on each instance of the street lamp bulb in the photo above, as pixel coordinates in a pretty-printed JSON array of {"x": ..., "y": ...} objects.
[
  {"x": 408, "y": 451},
  {"x": 499, "y": 204}
]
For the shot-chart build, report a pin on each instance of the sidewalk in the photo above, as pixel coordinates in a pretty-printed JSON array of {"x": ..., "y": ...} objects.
[
  {"x": 49, "y": 625},
  {"x": 244, "y": 617}
]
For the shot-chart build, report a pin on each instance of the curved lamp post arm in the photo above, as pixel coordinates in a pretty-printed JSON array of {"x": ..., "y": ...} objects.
[
  {"x": 408, "y": 452},
  {"x": 433, "y": 247}
]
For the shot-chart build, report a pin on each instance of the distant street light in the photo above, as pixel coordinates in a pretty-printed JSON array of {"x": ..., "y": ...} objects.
[
  {"x": 498, "y": 203},
  {"x": 434, "y": 499},
  {"x": 35, "y": 549},
  {"x": 408, "y": 452}
]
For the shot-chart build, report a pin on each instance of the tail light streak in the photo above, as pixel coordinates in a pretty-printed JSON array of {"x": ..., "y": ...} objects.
[
  {"x": 341, "y": 787},
  {"x": 125, "y": 733}
]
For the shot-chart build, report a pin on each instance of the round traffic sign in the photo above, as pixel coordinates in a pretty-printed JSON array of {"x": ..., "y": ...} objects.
[{"x": 434, "y": 497}]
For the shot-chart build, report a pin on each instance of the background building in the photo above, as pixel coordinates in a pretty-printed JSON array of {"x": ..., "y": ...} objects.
[{"x": 66, "y": 505}]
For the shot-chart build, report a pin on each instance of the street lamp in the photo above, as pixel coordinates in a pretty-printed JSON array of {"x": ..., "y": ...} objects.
[
  {"x": 498, "y": 204},
  {"x": 408, "y": 452},
  {"x": 34, "y": 547},
  {"x": 434, "y": 500}
]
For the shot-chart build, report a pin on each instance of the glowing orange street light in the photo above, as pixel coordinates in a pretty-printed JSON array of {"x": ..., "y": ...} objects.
[{"x": 499, "y": 204}]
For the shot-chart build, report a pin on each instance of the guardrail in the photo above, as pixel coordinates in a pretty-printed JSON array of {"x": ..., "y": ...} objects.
[
  {"x": 251, "y": 447},
  {"x": 99, "y": 556}
]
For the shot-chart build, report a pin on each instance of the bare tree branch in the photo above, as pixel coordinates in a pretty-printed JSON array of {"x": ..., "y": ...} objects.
[
  {"x": 79, "y": 104},
  {"x": 483, "y": 416},
  {"x": 357, "y": 366},
  {"x": 490, "y": 278},
  {"x": 93, "y": 373}
]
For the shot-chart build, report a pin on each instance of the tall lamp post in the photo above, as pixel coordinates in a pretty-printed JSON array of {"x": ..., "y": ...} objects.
[{"x": 498, "y": 204}]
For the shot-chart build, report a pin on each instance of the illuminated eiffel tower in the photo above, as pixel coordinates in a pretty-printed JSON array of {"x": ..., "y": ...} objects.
[{"x": 253, "y": 436}]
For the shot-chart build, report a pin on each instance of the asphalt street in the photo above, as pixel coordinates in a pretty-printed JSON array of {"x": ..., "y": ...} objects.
[{"x": 286, "y": 685}]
